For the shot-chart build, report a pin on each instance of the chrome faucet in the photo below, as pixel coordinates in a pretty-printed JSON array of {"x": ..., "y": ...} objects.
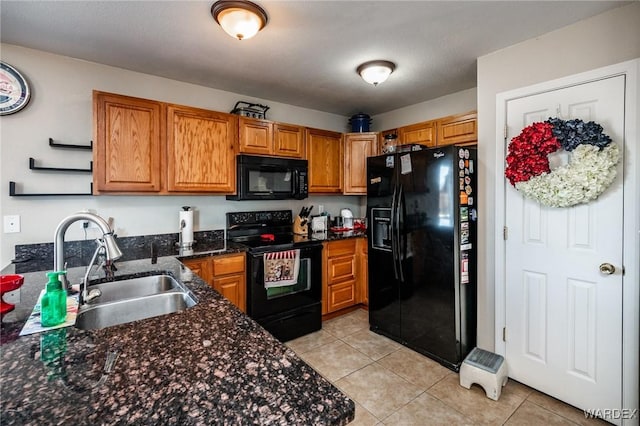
[
  {"x": 93, "y": 294},
  {"x": 108, "y": 242}
]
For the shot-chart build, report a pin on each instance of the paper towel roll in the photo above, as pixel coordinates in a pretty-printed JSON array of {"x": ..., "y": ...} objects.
[{"x": 186, "y": 217}]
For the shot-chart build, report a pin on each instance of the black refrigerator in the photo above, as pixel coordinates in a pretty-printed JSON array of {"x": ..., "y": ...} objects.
[{"x": 422, "y": 216}]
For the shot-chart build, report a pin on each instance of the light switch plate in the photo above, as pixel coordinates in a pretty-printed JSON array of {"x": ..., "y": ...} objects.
[{"x": 11, "y": 224}]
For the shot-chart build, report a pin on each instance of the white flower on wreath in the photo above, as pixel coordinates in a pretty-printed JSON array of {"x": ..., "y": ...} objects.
[{"x": 589, "y": 172}]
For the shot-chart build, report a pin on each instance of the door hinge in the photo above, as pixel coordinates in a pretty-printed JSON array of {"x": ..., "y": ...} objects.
[
  {"x": 505, "y": 233},
  {"x": 505, "y": 132},
  {"x": 504, "y": 334}
]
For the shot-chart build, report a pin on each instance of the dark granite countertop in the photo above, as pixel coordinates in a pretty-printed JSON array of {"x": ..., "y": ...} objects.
[{"x": 209, "y": 364}]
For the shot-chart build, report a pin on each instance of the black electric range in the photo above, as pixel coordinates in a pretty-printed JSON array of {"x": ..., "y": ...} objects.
[{"x": 286, "y": 311}]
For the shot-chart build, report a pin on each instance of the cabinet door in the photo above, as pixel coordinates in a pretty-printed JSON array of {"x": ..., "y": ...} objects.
[
  {"x": 288, "y": 140},
  {"x": 341, "y": 295},
  {"x": 128, "y": 135},
  {"x": 325, "y": 157},
  {"x": 255, "y": 136},
  {"x": 357, "y": 147},
  {"x": 233, "y": 288},
  {"x": 420, "y": 133},
  {"x": 458, "y": 129},
  {"x": 341, "y": 268},
  {"x": 339, "y": 278},
  {"x": 228, "y": 264},
  {"x": 200, "y": 150},
  {"x": 363, "y": 272},
  {"x": 201, "y": 267}
]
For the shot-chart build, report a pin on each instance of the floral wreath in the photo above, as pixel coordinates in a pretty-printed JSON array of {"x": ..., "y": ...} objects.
[{"x": 591, "y": 168}]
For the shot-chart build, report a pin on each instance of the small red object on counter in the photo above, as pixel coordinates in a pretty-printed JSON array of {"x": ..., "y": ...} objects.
[
  {"x": 8, "y": 283},
  {"x": 359, "y": 226},
  {"x": 267, "y": 237}
]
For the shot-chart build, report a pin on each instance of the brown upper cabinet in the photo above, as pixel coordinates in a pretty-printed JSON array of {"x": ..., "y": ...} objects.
[
  {"x": 263, "y": 137},
  {"x": 144, "y": 146},
  {"x": 423, "y": 133},
  {"x": 458, "y": 129},
  {"x": 325, "y": 156},
  {"x": 129, "y": 138},
  {"x": 357, "y": 147},
  {"x": 200, "y": 150}
]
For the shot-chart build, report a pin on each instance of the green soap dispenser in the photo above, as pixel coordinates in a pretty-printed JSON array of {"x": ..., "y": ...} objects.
[{"x": 53, "y": 306}]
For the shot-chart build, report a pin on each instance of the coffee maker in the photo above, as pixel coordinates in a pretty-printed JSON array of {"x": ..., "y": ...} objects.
[{"x": 347, "y": 218}]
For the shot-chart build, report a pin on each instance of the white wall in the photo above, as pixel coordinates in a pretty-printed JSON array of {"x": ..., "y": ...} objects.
[
  {"x": 61, "y": 108},
  {"x": 605, "y": 39},
  {"x": 455, "y": 103}
]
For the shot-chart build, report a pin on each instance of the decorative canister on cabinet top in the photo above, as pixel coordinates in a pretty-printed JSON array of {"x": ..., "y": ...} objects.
[{"x": 360, "y": 122}]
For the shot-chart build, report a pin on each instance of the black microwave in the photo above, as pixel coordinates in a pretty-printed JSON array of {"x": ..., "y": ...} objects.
[{"x": 270, "y": 178}]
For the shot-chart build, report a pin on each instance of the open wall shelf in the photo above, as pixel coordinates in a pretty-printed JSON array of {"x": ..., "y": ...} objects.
[
  {"x": 12, "y": 192},
  {"x": 33, "y": 166}
]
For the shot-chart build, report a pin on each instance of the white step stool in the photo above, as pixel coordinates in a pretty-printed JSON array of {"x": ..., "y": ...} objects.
[{"x": 485, "y": 369}]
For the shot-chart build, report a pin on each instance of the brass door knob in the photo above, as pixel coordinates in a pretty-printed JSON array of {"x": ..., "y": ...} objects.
[{"x": 607, "y": 268}]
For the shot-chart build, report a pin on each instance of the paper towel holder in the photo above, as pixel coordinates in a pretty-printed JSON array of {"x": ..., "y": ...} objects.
[{"x": 181, "y": 243}]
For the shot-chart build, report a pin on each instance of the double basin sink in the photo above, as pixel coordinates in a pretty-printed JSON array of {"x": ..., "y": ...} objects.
[{"x": 134, "y": 299}]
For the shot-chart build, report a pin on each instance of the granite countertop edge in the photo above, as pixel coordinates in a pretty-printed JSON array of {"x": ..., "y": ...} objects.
[{"x": 207, "y": 364}]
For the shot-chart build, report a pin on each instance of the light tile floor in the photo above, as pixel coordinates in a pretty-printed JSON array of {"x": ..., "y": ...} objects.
[{"x": 393, "y": 385}]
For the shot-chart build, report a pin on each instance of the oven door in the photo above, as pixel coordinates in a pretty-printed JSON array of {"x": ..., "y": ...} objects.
[{"x": 263, "y": 302}]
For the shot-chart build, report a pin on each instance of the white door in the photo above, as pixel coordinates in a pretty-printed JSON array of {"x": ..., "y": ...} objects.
[{"x": 563, "y": 316}]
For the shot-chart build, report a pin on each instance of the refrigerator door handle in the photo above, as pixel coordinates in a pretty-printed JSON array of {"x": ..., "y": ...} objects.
[
  {"x": 400, "y": 234},
  {"x": 394, "y": 231}
]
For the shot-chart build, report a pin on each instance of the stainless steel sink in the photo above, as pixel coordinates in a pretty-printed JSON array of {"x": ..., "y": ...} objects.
[
  {"x": 127, "y": 310},
  {"x": 133, "y": 299},
  {"x": 134, "y": 287}
]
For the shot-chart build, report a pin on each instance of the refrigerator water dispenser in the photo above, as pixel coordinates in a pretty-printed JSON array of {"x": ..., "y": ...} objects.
[{"x": 381, "y": 228}]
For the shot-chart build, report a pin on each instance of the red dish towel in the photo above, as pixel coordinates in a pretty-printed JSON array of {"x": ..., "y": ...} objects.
[{"x": 281, "y": 268}]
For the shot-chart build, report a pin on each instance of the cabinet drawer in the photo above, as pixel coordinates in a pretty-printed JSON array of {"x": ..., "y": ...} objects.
[
  {"x": 341, "y": 268},
  {"x": 341, "y": 248},
  {"x": 341, "y": 296},
  {"x": 223, "y": 265}
]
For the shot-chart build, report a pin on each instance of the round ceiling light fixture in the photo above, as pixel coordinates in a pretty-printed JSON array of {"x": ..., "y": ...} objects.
[
  {"x": 376, "y": 72},
  {"x": 240, "y": 19}
]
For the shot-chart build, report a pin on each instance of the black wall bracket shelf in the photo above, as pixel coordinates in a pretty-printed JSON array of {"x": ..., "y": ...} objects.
[
  {"x": 64, "y": 145},
  {"x": 12, "y": 192},
  {"x": 32, "y": 166}
]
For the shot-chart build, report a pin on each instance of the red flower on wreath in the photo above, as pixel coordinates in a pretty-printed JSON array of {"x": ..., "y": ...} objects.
[{"x": 528, "y": 152}]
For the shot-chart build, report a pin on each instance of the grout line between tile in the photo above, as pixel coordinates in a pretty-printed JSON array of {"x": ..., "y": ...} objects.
[{"x": 550, "y": 410}]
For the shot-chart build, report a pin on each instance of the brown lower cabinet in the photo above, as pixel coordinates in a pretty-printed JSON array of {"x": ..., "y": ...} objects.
[
  {"x": 363, "y": 271},
  {"x": 225, "y": 273},
  {"x": 344, "y": 282}
]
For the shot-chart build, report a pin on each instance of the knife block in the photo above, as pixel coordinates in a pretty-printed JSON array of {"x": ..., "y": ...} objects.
[{"x": 299, "y": 228}]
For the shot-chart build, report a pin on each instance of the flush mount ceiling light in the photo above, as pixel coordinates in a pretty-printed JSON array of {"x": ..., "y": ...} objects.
[
  {"x": 240, "y": 19},
  {"x": 376, "y": 72}
]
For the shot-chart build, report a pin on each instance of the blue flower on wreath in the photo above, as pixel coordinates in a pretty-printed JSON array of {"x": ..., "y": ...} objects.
[{"x": 571, "y": 133}]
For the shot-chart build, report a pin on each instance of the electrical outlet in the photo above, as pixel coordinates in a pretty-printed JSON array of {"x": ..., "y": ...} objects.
[
  {"x": 320, "y": 209},
  {"x": 87, "y": 224},
  {"x": 11, "y": 224}
]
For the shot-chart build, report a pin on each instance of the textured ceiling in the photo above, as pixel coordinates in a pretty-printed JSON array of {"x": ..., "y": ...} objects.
[{"x": 308, "y": 52}]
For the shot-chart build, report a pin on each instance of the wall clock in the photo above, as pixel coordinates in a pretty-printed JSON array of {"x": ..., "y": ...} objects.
[{"x": 14, "y": 90}]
